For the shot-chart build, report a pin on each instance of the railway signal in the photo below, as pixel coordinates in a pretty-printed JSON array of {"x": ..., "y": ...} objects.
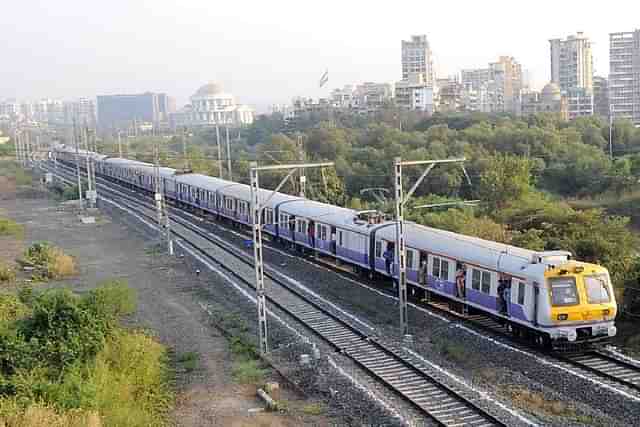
[{"x": 256, "y": 226}]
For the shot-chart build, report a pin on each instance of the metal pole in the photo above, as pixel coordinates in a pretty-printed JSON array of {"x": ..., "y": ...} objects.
[
  {"x": 611, "y": 131},
  {"x": 219, "y": 151},
  {"x": 400, "y": 248},
  {"x": 119, "y": 144},
  {"x": 257, "y": 257},
  {"x": 184, "y": 149},
  {"x": 167, "y": 221},
  {"x": 85, "y": 138},
  {"x": 16, "y": 136},
  {"x": 158, "y": 196},
  {"x": 229, "y": 157},
  {"x": 303, "y": 178},
  {"x": 77, "y": 158}
]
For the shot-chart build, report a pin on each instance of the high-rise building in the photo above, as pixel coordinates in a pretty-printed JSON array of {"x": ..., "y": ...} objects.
[
  {"x": 415, "y": 94},
  {"x": 474, "y": 78},
  {"x": 418, "y": 58},
  {"x": 507, "y": 75},
  {"x": 115, "y": 111},
  {"x": 624, "y": 75},
  {"x": 572, "y": 62},
  {"x": 601, "y": 96}
]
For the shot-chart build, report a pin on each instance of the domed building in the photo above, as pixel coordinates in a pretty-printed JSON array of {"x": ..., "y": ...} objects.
[
  {"x": 549, "y": 100},
  {"x": 211, "y": 106}
]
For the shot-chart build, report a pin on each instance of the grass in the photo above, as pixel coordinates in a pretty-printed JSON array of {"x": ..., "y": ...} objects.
[
  {"x": 313, "y": 409},
  {"x": 537, "y": 403},
  {"x": 189, "y": 361},
  {"x": 7, "y": 273},
  {"x": 11, "y": 170},
  {"x": 49, "y": 261},
  {"x": 9, "y": 227},
  {"x": 38, "y": 415},
  {"x": 249, "y": 371},
  {"x": 453, "y": 351}
]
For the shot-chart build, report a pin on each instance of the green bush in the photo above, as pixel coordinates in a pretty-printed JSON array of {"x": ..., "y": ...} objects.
[
  {"x": 7, "y": 273},
  {"x": 9, "y": 227},
  {"x": 68, "y": 353},
  {"x": 249, "y": 372}
]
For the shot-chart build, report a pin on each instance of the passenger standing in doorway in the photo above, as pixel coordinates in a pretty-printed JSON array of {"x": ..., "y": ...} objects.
[
  {"x": 461, "y": 279},
  {"x": 388, "y": 258},
  {"x": 310, "y": 231},
  {"x": 422, "y": 272}
]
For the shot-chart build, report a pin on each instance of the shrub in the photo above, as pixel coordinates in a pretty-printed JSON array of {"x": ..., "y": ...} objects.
[
  {"x": 11, "y": 308},
  {"x": 9, "y": 227},
  {"x": 248, "y": 372},
  {"x": 7, "y": 274},
  {"x": 189, "y": 361},
  {"x": 39, "y": 415},
  {"x": 52, "y": 261},
  {"x": 313, "y": 409}
]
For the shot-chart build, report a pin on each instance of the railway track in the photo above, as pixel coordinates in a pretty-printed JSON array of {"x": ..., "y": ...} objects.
[
  {"x": 415, "y": 382},
  {"x": 600, "y": 366},
  {"x": 609, "y": 366}
]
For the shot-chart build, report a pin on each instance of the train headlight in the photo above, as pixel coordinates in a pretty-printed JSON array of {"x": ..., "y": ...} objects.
[
  {"x": 612, "y": 331},
  {"x": 572, "y": 336},
  {"x": 563, "y": 316}
]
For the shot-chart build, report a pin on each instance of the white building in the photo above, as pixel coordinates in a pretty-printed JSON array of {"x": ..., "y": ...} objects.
[
  {"x": 624, "y": 75},
  {"x": 418, "y": 58},
  {"x": 415, "y": 94},
  {"x": 211, "y": 106},
  {"x": 572, "y": 62}
]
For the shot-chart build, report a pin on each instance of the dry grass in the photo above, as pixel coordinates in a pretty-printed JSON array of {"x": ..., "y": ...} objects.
[
  {"x": 537, "y": 403},
  {"x": 62, "y": 265},
  {"x": 43, "y": 416}
]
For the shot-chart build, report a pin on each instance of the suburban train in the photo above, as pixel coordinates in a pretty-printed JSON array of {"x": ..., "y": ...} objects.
[{"x": 546, "y": 297}]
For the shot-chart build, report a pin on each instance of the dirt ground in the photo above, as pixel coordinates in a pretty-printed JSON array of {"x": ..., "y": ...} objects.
[{"x": 208, "y": 394}]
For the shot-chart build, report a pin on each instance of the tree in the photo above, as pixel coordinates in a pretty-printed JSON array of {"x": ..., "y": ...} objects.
[{"x": 505, "y": 178}]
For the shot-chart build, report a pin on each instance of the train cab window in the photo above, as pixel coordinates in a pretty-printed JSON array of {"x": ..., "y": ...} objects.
[
  {"x": 563, "y": 291},
  {"x": 597, "y": 289},
  {"x": 521, "y": 291},
  {"x": 410, "y": 259},
  {"x": 379, "y": 249}
]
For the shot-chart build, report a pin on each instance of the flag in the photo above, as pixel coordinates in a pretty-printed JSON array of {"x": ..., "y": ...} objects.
[{"x": 324, "y": 79}]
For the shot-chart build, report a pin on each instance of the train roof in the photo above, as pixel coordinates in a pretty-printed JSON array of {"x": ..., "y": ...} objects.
[
  {"x": 473, "y": 250},
  {"x": 328, "y": 214},
  {"x": 204, "y": 182},
  {"x": 119, "y": 161}
]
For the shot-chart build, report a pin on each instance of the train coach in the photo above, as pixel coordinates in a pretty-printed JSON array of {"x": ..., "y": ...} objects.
[{"x": 544, "y": 296}]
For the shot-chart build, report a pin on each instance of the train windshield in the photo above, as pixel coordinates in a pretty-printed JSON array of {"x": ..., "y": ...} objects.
[
  {"x": 563, "y": 291},
  {"x": 597, "y": 288}
]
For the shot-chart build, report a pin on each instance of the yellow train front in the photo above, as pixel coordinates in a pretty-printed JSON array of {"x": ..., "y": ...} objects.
[{"x": 578, "y": 304}]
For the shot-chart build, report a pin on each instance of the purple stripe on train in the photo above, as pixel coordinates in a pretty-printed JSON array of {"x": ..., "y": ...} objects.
[
  {"x": 352, "y": 255},
  {"x": 482, "y": 299}
]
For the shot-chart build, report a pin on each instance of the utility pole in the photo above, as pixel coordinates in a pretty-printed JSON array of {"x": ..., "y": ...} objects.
[
  {"x": 16, "y": 143},
  {"x": 77, "y": 158},
  {"x": 184, "y": 149},
  {"x": 256, "y": 225},
  {"x": 158, "y": 194},
  {"x": 303, "y": 178},
  {"x": 119, "y": 144},
  {"x": 219, "y": 151},
  {"x": 85, "y": 138},
  {"x": 611, "y": 131},
  {"x": 229, "y": 157},
  {"x": 400, "y": 201}
]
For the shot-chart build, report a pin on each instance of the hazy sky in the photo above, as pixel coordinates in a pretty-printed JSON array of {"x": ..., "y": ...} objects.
[{"x": 269, "y": 51}]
